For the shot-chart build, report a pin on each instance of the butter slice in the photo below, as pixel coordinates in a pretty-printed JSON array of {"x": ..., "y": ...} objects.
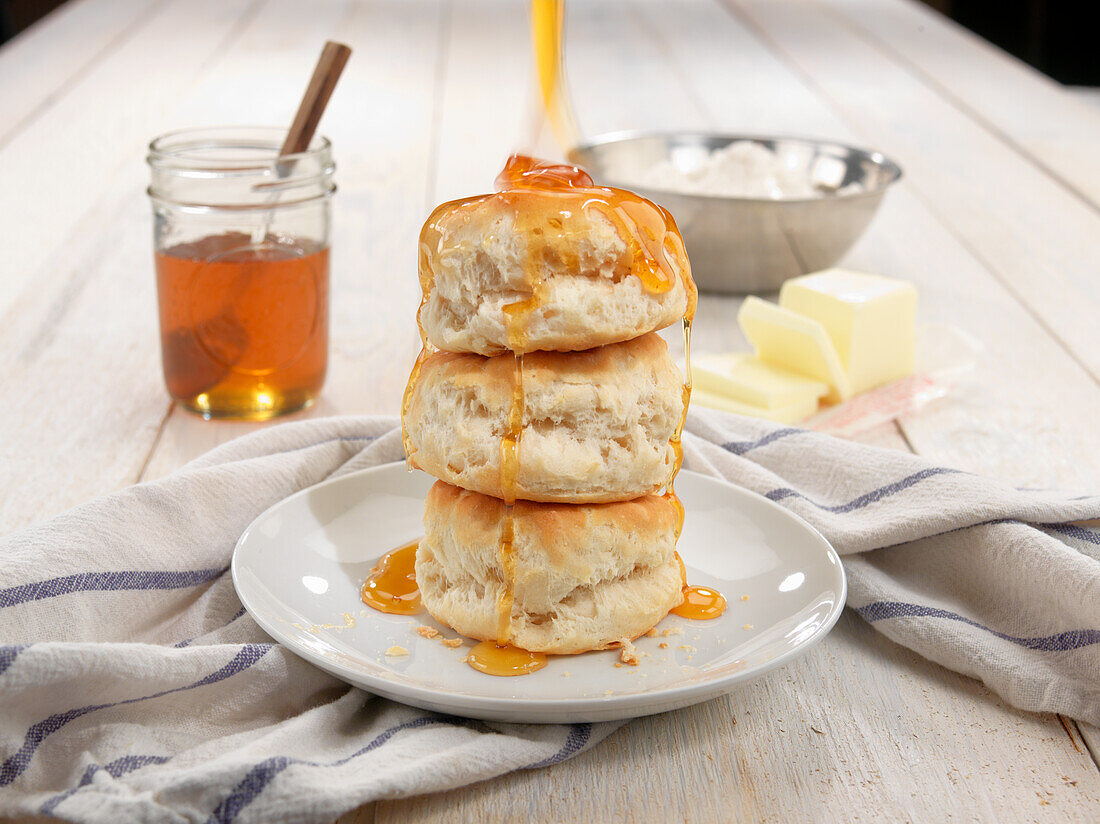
[
  {"x": 792, "y": 341},
  {"x": 746, "y": 378},
  {"x": 788, "y": 413},
  {"x": 870, "y": 319}
]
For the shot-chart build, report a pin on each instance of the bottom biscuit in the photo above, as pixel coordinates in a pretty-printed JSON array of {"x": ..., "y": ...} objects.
[{"x": 577, "y": 577}]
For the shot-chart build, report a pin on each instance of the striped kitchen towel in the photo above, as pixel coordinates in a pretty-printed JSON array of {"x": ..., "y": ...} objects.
[{"x": 134, "y": 688}]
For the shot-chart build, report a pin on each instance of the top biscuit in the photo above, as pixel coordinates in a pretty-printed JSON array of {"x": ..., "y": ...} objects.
[{"x": 551, "y": 262}]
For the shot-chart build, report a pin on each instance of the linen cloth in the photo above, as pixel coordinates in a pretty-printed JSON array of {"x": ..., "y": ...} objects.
[{"x": 134, "y": 687}]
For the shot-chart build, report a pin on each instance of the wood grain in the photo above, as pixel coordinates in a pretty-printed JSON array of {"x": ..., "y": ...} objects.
[
  {"x": 56, "y": 168},
  {"x": 1045, "y": 122},
  {"x": 78, "y": 348},
  {"x": 38, "y": 65},
  {"x": 855, "y": 731}
]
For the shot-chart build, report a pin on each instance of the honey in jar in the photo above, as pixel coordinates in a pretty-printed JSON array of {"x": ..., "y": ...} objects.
[
  {"x": 242, "y": 267},
  {"x": 244, "y": 328}
]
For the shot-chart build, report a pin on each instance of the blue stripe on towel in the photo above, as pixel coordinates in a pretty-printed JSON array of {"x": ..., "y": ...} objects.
[
  {"x": 8, "y": 653},
  {"x": 574, "y": 743},
  {"x": 14, "y": 766},
  {"x": 741, "y": 447},
  {"x": 187, "y": 641},
  {"x": 1074, "y": 531},
  {"x": 261, "y": 775},
  {"x": 120, "y": 766},
  {"x": 107, "y": 581},
  {"x": 870, "y": 497},
  {"x": 1062, "y": 642},
  {"x": 131, "y": 579}
]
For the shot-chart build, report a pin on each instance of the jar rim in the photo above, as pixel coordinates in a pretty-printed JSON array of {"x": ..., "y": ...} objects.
[{"x": 252, "y": 148}]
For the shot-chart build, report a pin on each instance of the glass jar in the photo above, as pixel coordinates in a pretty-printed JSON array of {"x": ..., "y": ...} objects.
[{"x": 242, "y": 259}]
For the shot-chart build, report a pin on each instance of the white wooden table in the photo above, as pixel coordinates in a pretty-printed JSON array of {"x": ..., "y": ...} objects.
[{"x": 997, "y": 221}]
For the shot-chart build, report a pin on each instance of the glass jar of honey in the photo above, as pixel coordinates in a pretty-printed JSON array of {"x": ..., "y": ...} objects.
[{"x": 241, "y": 242}]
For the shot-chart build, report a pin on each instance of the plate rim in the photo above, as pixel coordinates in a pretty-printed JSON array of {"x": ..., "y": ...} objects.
[{"x": 642, "y": 703}]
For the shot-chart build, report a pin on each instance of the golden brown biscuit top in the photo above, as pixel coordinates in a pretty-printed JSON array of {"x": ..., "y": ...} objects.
[{"x": 551, "y": 206}]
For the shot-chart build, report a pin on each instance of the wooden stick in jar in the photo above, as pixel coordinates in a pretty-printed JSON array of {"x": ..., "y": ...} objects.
[{"x": 329, "y": 67}]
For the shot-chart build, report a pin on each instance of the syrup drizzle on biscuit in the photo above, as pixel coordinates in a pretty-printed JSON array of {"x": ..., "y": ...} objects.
[{"x": 552, "y": 206}]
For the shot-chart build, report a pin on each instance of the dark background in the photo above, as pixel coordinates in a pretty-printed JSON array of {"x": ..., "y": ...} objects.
[{"x": 1048, "y": 34}]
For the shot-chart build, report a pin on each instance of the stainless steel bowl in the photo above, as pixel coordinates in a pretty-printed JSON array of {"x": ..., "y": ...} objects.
[{"x": 744, "y": 244}]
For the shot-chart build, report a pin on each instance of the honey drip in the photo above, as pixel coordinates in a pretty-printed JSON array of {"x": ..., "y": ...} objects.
[
  {"x": 700, "y": 603},
  {"x": 504, "y": 659},
  {"x": 547, "y": 34},
  {"x": 509, "y": 474},
  {"x": 391, "y": 586},
  {"x": 676, "y": 441}
]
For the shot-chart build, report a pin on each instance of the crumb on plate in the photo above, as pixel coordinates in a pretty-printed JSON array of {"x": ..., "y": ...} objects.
[{"x": 628, "y": 654}]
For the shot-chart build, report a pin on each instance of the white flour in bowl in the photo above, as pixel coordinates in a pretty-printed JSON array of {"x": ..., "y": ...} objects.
[{"x": 742, "y": 169}]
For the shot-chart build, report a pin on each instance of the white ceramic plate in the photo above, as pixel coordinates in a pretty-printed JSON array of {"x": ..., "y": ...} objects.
[{"x": 299, "y": 567}]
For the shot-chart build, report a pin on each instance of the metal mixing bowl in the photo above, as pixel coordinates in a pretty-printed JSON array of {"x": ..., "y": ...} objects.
[{"x": 747, "y": 244}]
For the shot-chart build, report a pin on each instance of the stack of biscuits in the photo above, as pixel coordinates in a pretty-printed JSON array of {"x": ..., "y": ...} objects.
[{"x": 550, "y": 411}]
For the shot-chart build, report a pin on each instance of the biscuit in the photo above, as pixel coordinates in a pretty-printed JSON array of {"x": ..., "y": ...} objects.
[
  {"x": 573, "y": 285},
  {"x": 595, "y": 426},
  {"x": 585, "y": 576}
]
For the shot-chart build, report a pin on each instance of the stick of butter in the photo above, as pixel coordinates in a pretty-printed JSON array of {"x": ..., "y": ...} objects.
[
  {"x": 870, "y": 319},
  {"x": 794, "y": 412},
  {"x": 792, "y": 341},
  {"x": 746, "y": 378}
]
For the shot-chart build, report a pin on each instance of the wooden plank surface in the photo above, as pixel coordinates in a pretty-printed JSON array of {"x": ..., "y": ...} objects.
[
  {"x": 433, "y": 99},
  {"x": 78, "y": 340},
  {"x": 96, "y": 131},
  {"x": 841, "y": 736},
  {"x": 39, "y": 64},
  {"x": 1049, "y": 124}
]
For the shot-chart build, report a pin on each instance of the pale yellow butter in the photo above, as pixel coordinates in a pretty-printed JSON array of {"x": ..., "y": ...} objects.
[
  {"x": 746, "y": 378},
  {"x": 788, "y": 413},
  {"x": 792, "y": 341},
  {"x": 870, "y": 319}
]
